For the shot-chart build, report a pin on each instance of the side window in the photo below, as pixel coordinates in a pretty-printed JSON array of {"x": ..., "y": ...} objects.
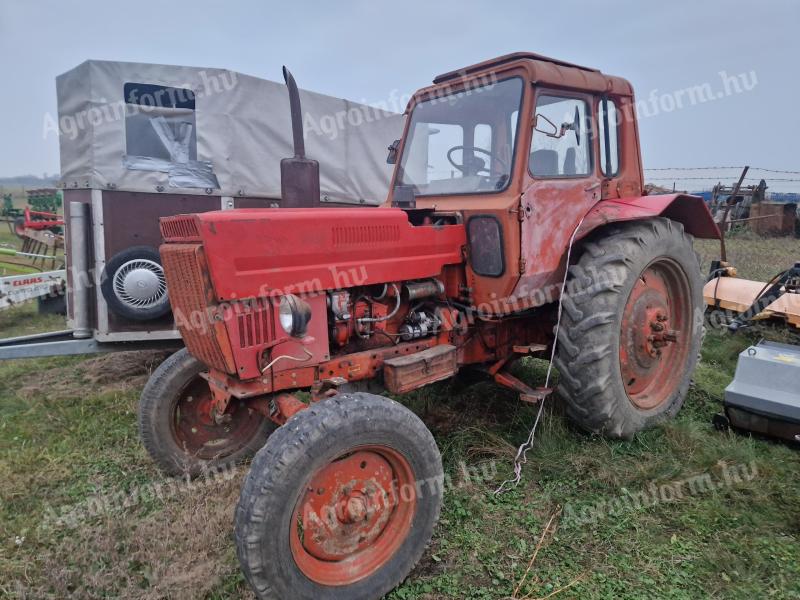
[
  {"x": 561, "y": 138},
  {"x": 608, "y": 121},
  {"x": 160, "y": 122}
]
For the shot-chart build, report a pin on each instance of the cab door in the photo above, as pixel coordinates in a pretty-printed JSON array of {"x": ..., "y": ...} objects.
[{"x": 561, "y": 184}]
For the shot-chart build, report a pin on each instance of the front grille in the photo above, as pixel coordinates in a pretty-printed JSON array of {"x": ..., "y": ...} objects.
[
  {"x": 254, "y": 324},
  {"x": 179, "y": 228},
  {"x": 191, "y": 297}
]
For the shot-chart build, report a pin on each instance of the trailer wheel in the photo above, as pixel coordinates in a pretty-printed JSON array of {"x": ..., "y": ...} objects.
[
  {"x": 134, "y": 286},
  {"x": 176, "y": 426},
  {"x": 52, "y": 305},
  {"x": 340, "y": 502},
  {"x": 19, "y": 227},
  {"x": 631, "y": 328}
]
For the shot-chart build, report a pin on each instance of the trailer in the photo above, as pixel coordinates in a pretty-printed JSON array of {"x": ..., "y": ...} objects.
[{"x": 139, "y": 142}]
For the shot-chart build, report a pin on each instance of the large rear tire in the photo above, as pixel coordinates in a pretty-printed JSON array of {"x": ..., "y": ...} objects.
[
  {"x": 631, "y": 328},
  {"x": 178, "y": 430},
  {"x": 340, "y": 502}
]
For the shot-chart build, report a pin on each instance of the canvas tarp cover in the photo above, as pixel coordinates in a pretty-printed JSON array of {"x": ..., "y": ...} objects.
[{"x": 144, "y": 127}]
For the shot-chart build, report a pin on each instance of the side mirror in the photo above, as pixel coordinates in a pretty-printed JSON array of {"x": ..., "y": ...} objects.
[
  {"x": 393, "y": 148},
  {"x": 540, "y": 124},
  {"x": 576, "y": 126}
]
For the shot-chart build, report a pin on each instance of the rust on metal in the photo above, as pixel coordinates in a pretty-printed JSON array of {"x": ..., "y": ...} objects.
[
  {"x": 652, "y": 349},
  {"x": 353, "y": 515},
  {"x": 203, "y": 433},
  {"x": 403, "y": 374}
]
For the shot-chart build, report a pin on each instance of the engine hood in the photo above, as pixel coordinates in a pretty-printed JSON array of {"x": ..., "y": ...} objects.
[{"x": 268, "y": 252}]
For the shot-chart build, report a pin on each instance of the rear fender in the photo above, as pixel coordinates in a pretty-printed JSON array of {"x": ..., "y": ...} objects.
[{"x": 690, "y": 211}]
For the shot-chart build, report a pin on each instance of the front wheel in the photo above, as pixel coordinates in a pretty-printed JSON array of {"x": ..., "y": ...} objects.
[
  {"x": 340, "y": 502},
  {"x": 177, "y": 426},
  {"x": 631, "y": 328}
]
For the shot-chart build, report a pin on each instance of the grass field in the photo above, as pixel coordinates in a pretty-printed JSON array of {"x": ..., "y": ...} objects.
[{"x": 84, "y": 512}]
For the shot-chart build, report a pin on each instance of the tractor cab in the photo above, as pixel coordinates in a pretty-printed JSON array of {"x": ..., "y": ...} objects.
[{"x": 521, "y": 148}]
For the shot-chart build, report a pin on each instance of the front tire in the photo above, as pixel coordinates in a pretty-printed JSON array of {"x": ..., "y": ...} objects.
[
  {"x": 631, "y": 328},
  {"x": 340, "y": 502},
  {"x": 176, "y": 426}
]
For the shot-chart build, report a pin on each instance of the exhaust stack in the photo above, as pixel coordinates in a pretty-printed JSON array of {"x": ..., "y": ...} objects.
[{"x": 299, "y": 175}]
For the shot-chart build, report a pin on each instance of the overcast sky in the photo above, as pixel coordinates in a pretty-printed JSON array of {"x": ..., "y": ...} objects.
[{"x": 363, "y": 50}]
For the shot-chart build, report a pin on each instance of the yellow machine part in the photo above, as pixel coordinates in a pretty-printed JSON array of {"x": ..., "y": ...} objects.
[{"x": 732, "y": 293}]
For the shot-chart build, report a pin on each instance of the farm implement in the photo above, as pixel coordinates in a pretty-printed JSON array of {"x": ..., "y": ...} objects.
[
  {"x": 753, "y": 301},
  {"x": 46, "y": 286},
  {"x": 516, "y": 224},
  {"x": 36, "y": 220},
  {"x": 764, "y": 396}
]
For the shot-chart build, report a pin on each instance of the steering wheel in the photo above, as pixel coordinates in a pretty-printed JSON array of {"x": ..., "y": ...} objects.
[{"x": 476, "y": 165}]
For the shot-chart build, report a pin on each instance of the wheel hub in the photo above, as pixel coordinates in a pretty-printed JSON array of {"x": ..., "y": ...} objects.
[
  {"x": 651, "y": 351},
  {"x": 660, "y": 336},
  {"x": 202, "y": 433},
  {"x": 140, "y": 283},
  {"x": 348, "y": 507},
  {"x": 353, "y": 515}
]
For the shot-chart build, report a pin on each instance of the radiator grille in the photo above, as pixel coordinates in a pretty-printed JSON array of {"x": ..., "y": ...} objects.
[
  {"x": 190, "y": 295},
  {"x": 254, "y": 324},
  {"x": 180, "y": 228}
]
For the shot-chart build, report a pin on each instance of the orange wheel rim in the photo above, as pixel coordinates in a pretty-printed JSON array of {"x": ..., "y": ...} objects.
[
  {"x": 656, "y": 334},
  {"x": 353, "y": 515},
  {"x": 195, "y": 430}
]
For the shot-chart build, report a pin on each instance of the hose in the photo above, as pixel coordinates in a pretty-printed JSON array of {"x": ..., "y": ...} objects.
[{"x": 390, "y": 315}]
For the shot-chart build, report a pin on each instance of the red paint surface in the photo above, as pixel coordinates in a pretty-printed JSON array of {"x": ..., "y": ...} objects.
[{"x": 258, "y": 253}]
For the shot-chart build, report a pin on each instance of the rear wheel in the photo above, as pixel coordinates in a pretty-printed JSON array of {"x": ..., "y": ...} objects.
[
  {"x": 179, "y": 430},
  {"x": 631, "y": 328},
  {"x": 340, "y": 502}
]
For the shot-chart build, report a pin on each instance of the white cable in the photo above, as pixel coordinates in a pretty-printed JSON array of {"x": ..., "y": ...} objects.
[
  {"x": 522, "y": 452},
  {"x": 390, "y": 315}
]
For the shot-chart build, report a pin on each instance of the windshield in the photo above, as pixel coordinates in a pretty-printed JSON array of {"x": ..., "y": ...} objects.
[{"x": 462, "y": 143}]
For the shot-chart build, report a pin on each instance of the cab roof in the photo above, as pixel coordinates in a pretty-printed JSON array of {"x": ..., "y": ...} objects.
[
  {"x": 543, "y": 69},
  {"x": 506, "y": 58}
]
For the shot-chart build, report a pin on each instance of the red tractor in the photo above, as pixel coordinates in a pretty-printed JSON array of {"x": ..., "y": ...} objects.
[{"x": 515, "y": 179}]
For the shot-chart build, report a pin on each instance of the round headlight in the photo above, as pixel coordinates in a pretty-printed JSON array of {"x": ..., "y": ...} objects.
[{"x": 294, "y": 315}]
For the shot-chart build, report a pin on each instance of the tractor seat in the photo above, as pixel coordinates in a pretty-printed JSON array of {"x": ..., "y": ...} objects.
[
  {"x": 544, "y": 163},
  {"x": 570, "y": 166}
]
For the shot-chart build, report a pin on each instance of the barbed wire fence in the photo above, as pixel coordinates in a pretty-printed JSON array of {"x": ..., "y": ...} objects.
[{"x": 718, "y": 176}]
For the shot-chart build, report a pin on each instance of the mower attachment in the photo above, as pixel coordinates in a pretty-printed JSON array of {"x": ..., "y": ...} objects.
[
  {"x": 763, "y": 396},
  {"x": 755, "y": 300}
]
